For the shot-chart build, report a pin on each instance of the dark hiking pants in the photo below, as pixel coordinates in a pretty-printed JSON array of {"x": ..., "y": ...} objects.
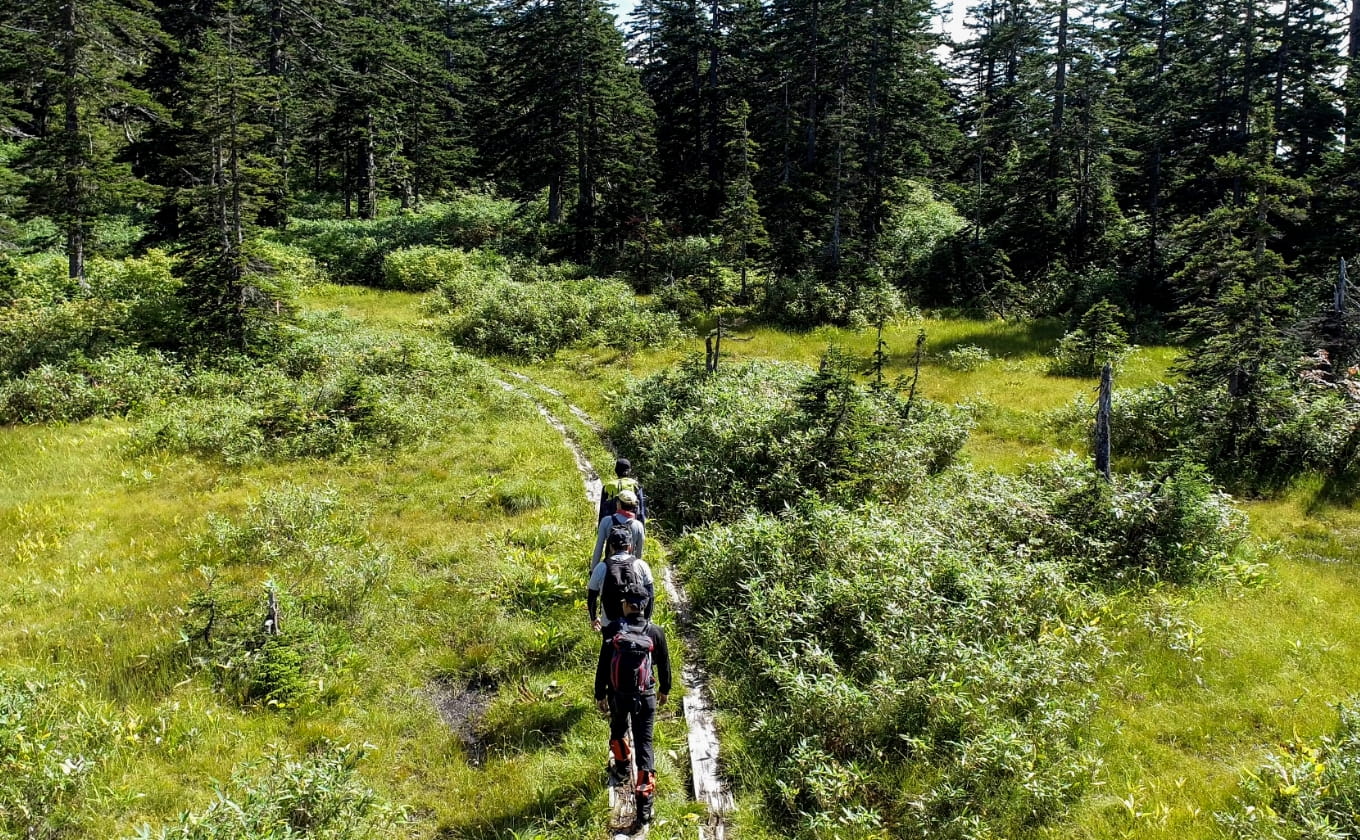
[{"x": 640, "y": 712}]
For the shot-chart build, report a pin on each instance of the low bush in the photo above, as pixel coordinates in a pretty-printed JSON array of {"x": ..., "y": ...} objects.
[
  {"x": 324, "y": 571},
  {"x": 762, "y": 435},
  {"x": 809, "y": 300},
  {"x": 337, "y": 391},
  {"x": 1256, "y": 447},
  {"x": 354, "y": 250},
  {"x": 113, "y": 384},
  {"x": 47, "y": 750},
  {"x": 492, "y": 315},
  {"x": 1305, "y": 791},
  {"x": 423, "y": 268},
  {"x": 966, "y": 358},
  {"x": 284, "y": 798},
  {"x": 900, "y": 673}
]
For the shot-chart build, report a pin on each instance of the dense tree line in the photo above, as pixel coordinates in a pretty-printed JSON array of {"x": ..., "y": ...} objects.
[{"x": 1062, "y": 152}]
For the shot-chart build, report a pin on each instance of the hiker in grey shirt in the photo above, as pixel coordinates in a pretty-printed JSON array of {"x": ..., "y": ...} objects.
[
  {"x": 625, "y": 515},
  {"x": 603, "y": 584}
]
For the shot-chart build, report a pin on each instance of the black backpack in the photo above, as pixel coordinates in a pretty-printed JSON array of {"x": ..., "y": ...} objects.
[
  {"x": 630, "y": 665},
  {"x": 620, "y": 577},
  {"x": 620, "y": 531}
]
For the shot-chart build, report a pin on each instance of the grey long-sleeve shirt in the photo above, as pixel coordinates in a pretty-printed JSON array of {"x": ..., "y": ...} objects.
[{"x": 634, "y": 525}]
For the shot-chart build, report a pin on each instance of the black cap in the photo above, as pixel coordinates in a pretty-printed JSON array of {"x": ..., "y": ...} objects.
[
  {"x": 619, "y": 539},
  {"x": 622, "y": 467},
  {"x": 635, "y": 595}
]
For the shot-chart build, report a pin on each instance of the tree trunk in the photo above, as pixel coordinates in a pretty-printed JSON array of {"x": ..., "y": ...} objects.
[
  {"x": 74, "y": 186},
  {"x": 368, "y": 169},
  {"x": 1102, "y": 436},
  {"x": 1059, "y": 108},
  {"x": 810, "y": 152}
]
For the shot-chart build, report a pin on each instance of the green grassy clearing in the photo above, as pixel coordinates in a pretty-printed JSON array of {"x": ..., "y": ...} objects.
[
  {"x": 488, "y": 534},
  {"x": 1200, "y": 684}
]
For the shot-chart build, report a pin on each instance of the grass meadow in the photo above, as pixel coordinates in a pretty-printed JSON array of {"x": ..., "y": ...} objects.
[
  {"x": 485, "y": 535},
  {"x": 1201, "y": 682}
]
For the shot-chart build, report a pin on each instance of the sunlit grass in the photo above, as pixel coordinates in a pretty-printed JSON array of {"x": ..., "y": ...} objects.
[{"x": 97, "y": 566}]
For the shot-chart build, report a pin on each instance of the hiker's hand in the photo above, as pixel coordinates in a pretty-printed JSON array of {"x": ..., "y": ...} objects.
[
  {"x": 661, "y": 699},
  {"x": 595, "y": 624},
  {"x": 602, "y": 705}
]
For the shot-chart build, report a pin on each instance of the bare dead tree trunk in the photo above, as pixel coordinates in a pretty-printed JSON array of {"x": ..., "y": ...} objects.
[
  {"x": 915, "y": 375},
  {"x": 1103, "y": 407}
]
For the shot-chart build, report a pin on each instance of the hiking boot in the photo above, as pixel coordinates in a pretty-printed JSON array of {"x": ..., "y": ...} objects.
[
  {"x": 618, "y": 773},
  {"x": 644, "y": 813}
]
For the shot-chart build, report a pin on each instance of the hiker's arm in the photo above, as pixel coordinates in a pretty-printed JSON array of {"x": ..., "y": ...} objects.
[
  {"x": 662, "y": 659},
  {"x": 601, "y": 533},
  {"x": 639, "y": 537},
  {"x": 602, "y": 672},
  {"x": 642, "y": 504},
  {"x": 593, "y": 590},
  {"x": 651, "y": 600},
  {"x": 604, "y": 494}
]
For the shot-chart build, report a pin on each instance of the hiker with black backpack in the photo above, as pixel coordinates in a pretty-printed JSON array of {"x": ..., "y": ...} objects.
[
  {"x": 618, "y": 573},
  {"x": 632, "y": 678},
  {"x": 623, "y": 480},
  {"x": 624, "y": 519}
]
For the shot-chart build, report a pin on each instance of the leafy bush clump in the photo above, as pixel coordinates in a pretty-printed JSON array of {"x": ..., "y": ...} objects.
[
  {"x": 762, "y": 435},
  {"x": 903, "y": 674},
  {"x": 337, "y": 391},
  {"x": 47, "y": 750},
  {"x": 423, "y": 268},
  {"x": 1255, "y": 445},
  {"x": 324, "y": 573},
  {"x": 285, "y": 798},
  {"x": 46, "y": 318},
  {"x": 116, "y": 383},
  {"x": 354, "y": 250},
  {"x": 808, "y": 300},
  {"x": 966, "y": 358},
  {"x": 1098, "y": 340},
  {"x": 489, "y": 314},
  {"x": 1305, "y": 791},
  {"x": 1174, "y": 528}
]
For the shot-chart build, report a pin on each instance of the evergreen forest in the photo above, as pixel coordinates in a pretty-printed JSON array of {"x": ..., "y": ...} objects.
[{"x": 993, "y": 374}]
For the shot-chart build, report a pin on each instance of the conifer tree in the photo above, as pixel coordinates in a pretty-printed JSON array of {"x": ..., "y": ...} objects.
[
  {"x": 227, "y": 292},
  {"x": 740, "y": 223},
  {"x": 576, "y": 121},
  {"x": 81, "y": 109}
]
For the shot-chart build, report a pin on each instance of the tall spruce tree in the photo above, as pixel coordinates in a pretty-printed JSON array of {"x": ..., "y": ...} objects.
[
  {"x": 81, "y": 108},
  {"x": 575, "y": 121},
  {"x": 225, "y": 119}
]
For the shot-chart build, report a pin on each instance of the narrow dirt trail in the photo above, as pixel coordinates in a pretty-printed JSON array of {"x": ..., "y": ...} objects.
[{"x": 700, "y": 717}]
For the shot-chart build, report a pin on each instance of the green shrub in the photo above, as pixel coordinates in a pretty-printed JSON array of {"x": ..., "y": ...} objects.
[
  {"x": 49, "y": 319},
  {"x": 354, "y": 250},
  {"x": 762, "y": 435},
  {"x": 966, "y": 358},
  {"x": 336, "y": 391},
  {"x": 534, "y": 320},
  {"x": 1305, "y": 791},
  {"x": 423, "y": 268},
  {"x": 284, "y": 798},
  {"x": 298, "y": 268},
  {"x": 116, "y": 383},
  {"x": 1257, "y": 447},
  {"x": 910, "y": 672},
  {"x": 808, "y": 300},
  {"x": 47, "y": 750}
]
